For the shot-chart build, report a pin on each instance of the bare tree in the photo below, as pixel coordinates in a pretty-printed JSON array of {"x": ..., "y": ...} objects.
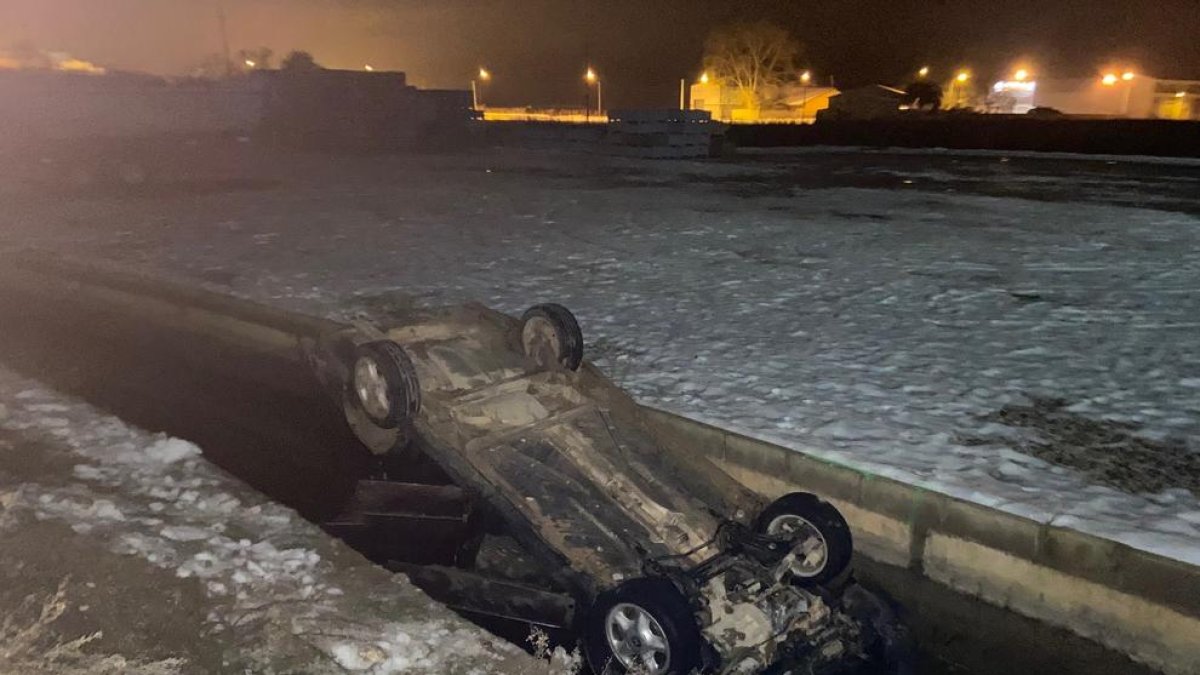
[{"x": 751, "y": 57}]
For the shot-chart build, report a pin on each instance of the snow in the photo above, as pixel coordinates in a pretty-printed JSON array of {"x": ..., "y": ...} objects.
[
  {"x": 156, "y": 498},
  {"x": 878, "y": 328}
]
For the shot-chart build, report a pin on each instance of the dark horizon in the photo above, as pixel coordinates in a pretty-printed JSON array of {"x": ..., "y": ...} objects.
[{"x": 538, "y": 49}]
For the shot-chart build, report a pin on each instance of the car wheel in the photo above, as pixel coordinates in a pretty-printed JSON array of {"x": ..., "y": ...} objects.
[
  {"x": 383, "y": 384},
  {"x": 550, "y": 336},
  {"x": 376, "y": 439},
  {"x": 644, "y": 626},
  {"x": 822, "y": 542}
]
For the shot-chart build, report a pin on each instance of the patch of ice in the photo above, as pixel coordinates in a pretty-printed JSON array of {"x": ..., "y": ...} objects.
[
  {"x": 171, "y": 450},
  {"x": 186, "y": 533}
]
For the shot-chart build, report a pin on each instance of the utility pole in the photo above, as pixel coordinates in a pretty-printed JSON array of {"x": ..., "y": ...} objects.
[
  {"x": 224, "y": 38},
  {"x": 682, "y": 96}
]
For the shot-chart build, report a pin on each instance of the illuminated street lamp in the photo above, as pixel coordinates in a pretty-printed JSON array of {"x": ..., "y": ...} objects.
[
  {"x": 1111, "y": 79},
  {"x": 1021, "y": 75},
  {"x": 369, "y": 68},
  {"x": 805, "y": 78},
  {"x": 956, "y": 86},
  {"x": 592, "y": 78},
  {"x": 923, "y": 72},
  {"x": 250, "y": 63},
  {"x": 484, "y": 76},
  {"x": 704, "y": 77}
]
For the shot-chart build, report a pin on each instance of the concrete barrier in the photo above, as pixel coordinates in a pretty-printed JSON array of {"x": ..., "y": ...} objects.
[{"x": 1135, "y": 602}]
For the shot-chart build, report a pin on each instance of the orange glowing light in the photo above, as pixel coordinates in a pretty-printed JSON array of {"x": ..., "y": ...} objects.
[
  {"x": 590, "y": 76},
  {"x": 963, "y": 76},
  {"x": 1021, "y": 75},
  {"x": 1127, "y": 76},
  {"x": 1109, "y": 80},
  {"x": 703, "y": 78}
]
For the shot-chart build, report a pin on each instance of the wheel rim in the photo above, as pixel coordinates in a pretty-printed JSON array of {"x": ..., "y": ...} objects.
[
  {"x": 637, "y": 639},
  {"x": 811, "y": 549},
  {"x": 540, "y": 339},
  {"x": 371, "y": 388}
]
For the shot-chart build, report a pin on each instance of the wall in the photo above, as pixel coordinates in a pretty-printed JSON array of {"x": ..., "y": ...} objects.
[
  {"x": 36, "y": 105},
  {"x": 985, "y": 132}
]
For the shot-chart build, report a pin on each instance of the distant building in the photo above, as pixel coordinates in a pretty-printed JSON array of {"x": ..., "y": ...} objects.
[
  {"x": 864, "y": 103},
  {"x": 1129, "y": 96},
  {"x": 718, "y": 100},
  {"x": 361, "y": 111},
  {"x": 792, "y": 103},
  {"x": 1015, "y": 97}
]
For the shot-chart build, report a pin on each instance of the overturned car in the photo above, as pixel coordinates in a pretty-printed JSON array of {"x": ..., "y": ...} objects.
[{"x": 657, "y": 559}]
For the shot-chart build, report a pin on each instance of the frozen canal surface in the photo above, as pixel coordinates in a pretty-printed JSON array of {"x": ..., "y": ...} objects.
[{"x": 1021, "y": 333}]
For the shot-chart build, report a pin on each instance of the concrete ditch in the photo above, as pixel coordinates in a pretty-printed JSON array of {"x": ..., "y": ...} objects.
[
  {"x": 1131, "y": 601},
  {"x": 1135, "y": 603}
]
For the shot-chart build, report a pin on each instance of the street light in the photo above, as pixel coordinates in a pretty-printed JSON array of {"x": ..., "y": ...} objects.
[
  {"x": 704, "y": 77},
  {"x": 592, "y": 78},
  {"x": 250, "y": 63},
  {"x": 923, "y": 72},
  {"x": 484, "y": 76},
  {"x": 1021, "y": 75},
  {"x": 369, "y": 68},
  {"x": 1109, "y": 79},
  {"x": 1127, "y": 76},
  {"x": 956, "y": 85},
  {"x": 805, "y": 78}
]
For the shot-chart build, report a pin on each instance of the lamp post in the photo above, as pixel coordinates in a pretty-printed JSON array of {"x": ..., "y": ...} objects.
[
  {"x": 805, "y": 78},
  {"x": 1111, "y": 79},
  {"x": 484, "y": 76},
  {"x": 957, "y": 84},
  {"x": 923, "y": 72},
  {"x": 592, "y": 78}
]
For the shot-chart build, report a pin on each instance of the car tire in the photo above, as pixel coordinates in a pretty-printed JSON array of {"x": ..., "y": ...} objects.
[
  {"x": 658, "y": 624},
  {"x": 829, "y": 534},
  {"x": 550, "y": 335},
  {"x": 383, "y": 384}
]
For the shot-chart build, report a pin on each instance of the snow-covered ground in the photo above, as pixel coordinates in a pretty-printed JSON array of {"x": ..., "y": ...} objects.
[
  {"x": 163, "y": 564},
  {"x": 883, "y": 328}
]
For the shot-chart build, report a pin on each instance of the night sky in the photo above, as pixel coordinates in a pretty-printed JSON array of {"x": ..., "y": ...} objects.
[{"x": 538, "y": 49}]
